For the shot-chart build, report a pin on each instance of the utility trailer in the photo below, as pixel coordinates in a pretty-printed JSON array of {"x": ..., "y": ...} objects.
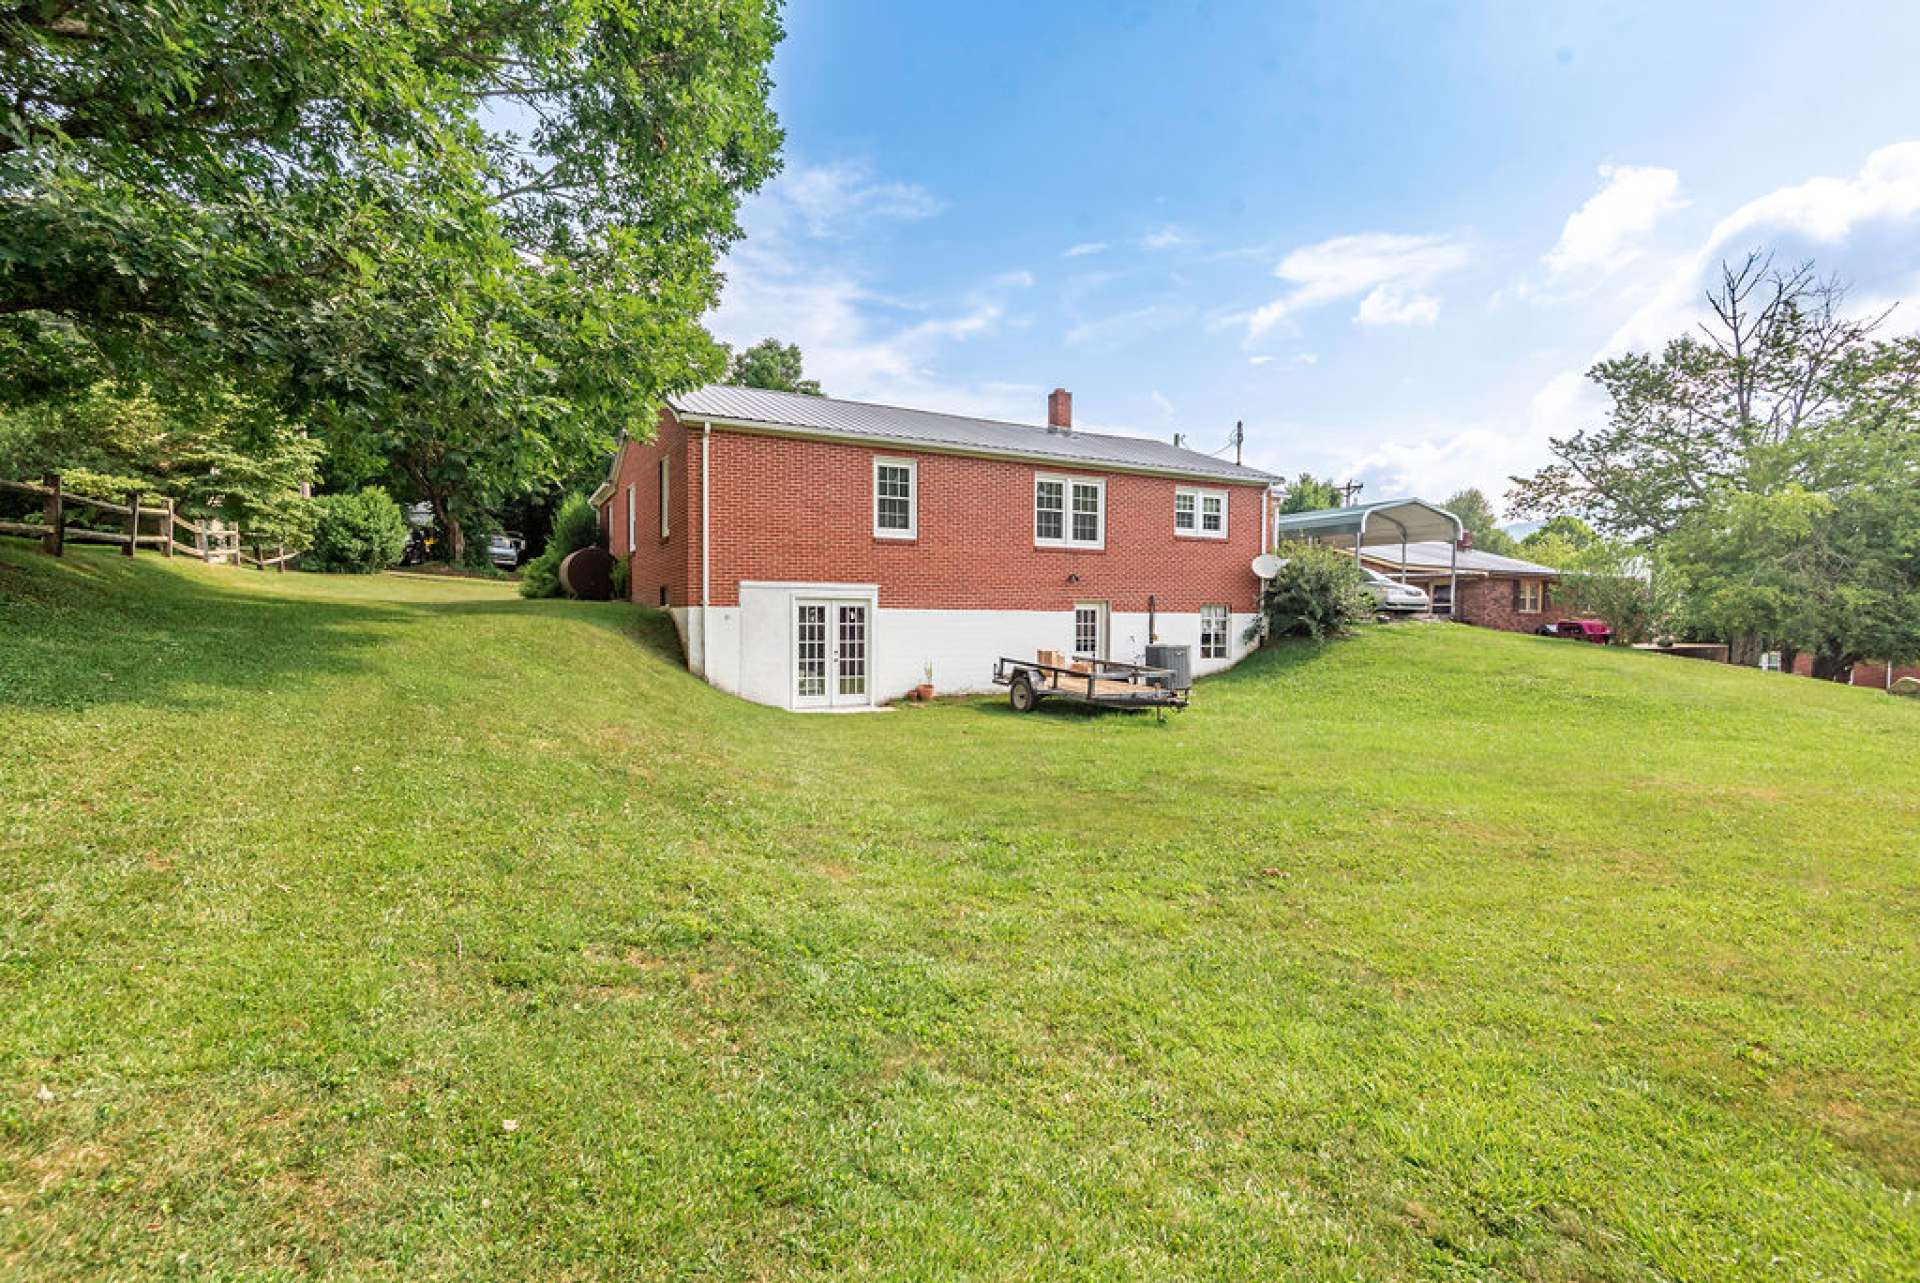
[{"x": 1104, "y": 683}]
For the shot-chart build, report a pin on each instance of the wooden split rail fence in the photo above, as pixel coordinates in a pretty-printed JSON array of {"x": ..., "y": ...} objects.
[{"x": 209, "y": 544}]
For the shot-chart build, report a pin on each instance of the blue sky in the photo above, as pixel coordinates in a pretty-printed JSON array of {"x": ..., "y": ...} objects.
[{"x": 1390, "y": 238}]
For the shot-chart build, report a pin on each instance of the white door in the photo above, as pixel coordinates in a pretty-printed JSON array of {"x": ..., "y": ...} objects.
[
  {"x": 1090, "y": 629},
  {"x": 830, "y": 653}
]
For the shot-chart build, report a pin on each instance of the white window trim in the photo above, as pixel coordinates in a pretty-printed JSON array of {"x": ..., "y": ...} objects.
[
  {"x": 633, "y": 529},
  {"x": 1066, "y": 539},
  {"x": 1540, "y": 599},
  {"x": 1200, "y": 496},
  {"x": 1226, "y": 630},
  {"x": 666, "y": 493},
  {"x": 913, "y": 497}
]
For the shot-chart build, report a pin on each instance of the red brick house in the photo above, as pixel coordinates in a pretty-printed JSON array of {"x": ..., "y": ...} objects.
[
  {"x": 1495, "y": 592},
  {"x": 817, "y": 553}
]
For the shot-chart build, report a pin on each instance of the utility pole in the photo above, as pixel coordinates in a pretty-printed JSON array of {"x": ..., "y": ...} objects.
[
  {"x": 1349, "y": 491},
  {"x": 1239, "y": 436}
]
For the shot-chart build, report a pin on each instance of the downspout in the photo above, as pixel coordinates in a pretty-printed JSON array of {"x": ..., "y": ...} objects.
[{"x": 706, "y": 528}]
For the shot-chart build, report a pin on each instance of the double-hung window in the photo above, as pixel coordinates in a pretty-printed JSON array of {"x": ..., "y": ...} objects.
[
  {"x": 896, "y": 499},
  {"x": 1213, "y": 632},
  {"x": 1069, "y": 512},
  {"x": 1532, "y": 596},
  {"x": 1199, "y": 514}
]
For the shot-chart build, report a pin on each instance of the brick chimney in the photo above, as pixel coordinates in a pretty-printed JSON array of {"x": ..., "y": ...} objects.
[{"x": 1060, "y": 411}]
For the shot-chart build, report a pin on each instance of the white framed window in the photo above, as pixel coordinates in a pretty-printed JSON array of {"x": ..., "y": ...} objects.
[
  {"x": 1199, "y": 514},
  {"x": 1532, "y": 596},
  {"x": 896, "y": 498},
  {"x": 665, "y": 490},
  {"x": 1213, "y": 631},
  {"x": 1069, "y": 512},
  {"x": 632, "y": 528}
]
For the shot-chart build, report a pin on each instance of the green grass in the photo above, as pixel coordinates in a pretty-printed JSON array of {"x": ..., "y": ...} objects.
[{"x": 1433, "y": 954}]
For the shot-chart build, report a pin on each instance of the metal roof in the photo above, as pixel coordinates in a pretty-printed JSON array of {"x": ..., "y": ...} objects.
[
  {"x": 1386, "y": 522},
  {"x": 1435, "y": 556},
  {"x": 886, "y": 424}
]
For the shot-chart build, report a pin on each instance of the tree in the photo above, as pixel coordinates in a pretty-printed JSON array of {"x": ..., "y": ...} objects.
[
  {"x": 1476, "y": 514},
  {"x": 772, "y": 365},
  {"x": 540, "y": 191},
  {"x": 1769, "y": 463},
  {"x": 1559, "y": 541},
  {"x": 1308, "y": 493}
]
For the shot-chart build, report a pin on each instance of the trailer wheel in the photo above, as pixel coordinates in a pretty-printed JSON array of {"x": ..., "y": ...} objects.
[{"x": 1020, "y": 694}]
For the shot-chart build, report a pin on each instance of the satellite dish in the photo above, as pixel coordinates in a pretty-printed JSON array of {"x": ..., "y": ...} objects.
[{"x": 1266, "y": 565}]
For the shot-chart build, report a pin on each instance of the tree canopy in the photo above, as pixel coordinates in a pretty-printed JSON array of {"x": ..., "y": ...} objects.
[
  {"x": 1767, "y": 466},
  {"x": 463, "y": 241},
  {"x": 772, "y": 365},
  {"x": 1476, "y": 514},
  {"x": 1308, "y": 493}
]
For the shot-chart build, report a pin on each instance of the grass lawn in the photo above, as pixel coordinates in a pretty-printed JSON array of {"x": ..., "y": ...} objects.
[{"x": 398, "y": 928}]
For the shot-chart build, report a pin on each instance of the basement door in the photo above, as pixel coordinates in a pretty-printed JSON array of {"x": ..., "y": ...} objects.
[{"x": 831, "y": 647}]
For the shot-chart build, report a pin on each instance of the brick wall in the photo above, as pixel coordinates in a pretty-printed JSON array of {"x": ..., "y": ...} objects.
[
  {"x": 657, "y": 562},
  {"x": 1868, "y": 672},
  {"x": 787, "y": 509},
  {"x": 1495, "y": 603}
]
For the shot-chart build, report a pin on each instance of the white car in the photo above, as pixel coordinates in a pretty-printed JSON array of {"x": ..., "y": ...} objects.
[
  {"x": 506, "y": 549},
  {"x": 1394, "y": 595}
]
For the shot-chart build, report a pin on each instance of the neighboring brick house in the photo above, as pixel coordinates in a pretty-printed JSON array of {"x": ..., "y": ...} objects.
[
  {"x": 1495, "y": 592},
  {"x": 817, "y": 553}
]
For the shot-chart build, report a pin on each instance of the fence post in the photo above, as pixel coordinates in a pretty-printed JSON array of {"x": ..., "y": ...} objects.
[
  {"x": 259, "y": 557},
  {"x": 166, "y": 530},
  {"x": 55, "y": 515},
  {"x": 201, "y": 541},
  {"x": 133, "y": 522},
  {"x": 280, "y": 563}
]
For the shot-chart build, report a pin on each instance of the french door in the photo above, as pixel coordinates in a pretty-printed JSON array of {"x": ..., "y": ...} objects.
[
  {"x": 831, "y": 648},
  {"x": 1090, "y": 629}
]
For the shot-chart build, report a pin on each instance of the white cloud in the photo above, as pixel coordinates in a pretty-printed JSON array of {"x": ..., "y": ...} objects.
[
  {"x": 799, "y": 275},
  {"x": 1307, "y": 358},
  {"x": 1161, "y": 403},
  {"x": 1084, "y": 248},
  {"x": 1598, "y": 236},
  {"x": 1825, "y": 211},
  {"x": 1482, "y": 455},
  {"x": 1346, "y": 266},
  {"x": 1259, "y": 360},
  {"x": 834, "y": 200},
  {"x": 1389, "y": 305},
  {"x": 1165, "y": 238}
]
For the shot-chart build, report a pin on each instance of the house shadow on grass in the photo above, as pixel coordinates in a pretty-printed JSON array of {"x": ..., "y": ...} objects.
[{"x": 93, "y": 629}]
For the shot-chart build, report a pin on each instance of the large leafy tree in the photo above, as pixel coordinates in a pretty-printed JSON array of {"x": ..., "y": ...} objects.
[
  {"x": 1476, "y": 514},
  {"x": 1769, "y": 463},
  {"x": 773, "y": 365},
  {"x": 476, "y": 233}
]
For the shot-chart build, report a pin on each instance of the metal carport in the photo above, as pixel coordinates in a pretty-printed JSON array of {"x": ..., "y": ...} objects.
[{"x": 1379, "y": 525}]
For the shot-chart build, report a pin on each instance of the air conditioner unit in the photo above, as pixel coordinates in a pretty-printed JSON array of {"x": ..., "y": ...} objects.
[{"x": 1176, "y": 659}]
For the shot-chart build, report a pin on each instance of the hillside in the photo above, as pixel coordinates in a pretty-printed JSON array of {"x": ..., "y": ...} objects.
[{"x": 399, "y": 928}]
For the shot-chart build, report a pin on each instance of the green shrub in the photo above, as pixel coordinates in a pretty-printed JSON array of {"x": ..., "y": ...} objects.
[
  {"x": 622, "y": 578},
  {"x": 1319, "y": 593},
  {"x": 575, "y": 526},
  {"x": 358, "y": 533}
]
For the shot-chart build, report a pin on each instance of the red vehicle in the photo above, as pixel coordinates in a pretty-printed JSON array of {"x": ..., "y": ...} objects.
[{"x": 1591, "y": 630}]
